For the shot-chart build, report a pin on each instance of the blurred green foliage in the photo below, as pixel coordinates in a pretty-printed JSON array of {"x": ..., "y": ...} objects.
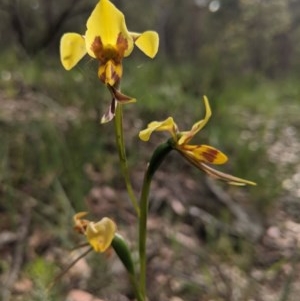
[{"x": 244, "y": 57}]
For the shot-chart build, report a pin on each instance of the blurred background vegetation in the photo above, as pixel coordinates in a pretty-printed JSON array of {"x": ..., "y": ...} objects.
[{"x": 56, "y": 159}]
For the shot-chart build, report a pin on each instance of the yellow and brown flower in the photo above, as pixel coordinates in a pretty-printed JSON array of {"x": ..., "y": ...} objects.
[{"x": 198, "y": 155}]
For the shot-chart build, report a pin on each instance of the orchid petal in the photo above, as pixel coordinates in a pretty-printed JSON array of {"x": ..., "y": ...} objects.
[
  {"x": 72, "y": 49},
  {"x": 110, "y": 113},
  {"x": 147, "y": 42},
  {"x": 188, "y": 135},
  {"x": 204, "y": 153},
  {"x": 110, "y": 73},
  {"x": 120, "y": 97},
  {"x": 166, "y": 125},
  {"x": 106, "y": 22},
  {"x": 225, "y": 177},
  {"x": 101, "y": 234}
]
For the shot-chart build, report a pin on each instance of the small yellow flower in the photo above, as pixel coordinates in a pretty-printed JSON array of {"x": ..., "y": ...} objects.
[
  {"x": 99, "y": 234},
  {"x": 107, "y": 40},
  {"x": 198, "y": 155}
]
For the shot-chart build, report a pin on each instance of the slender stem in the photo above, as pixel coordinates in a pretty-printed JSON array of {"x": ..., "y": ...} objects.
[
  {"x": 135, "y": 286},
  {"x": 122, "y": 155},
  {"x": 143, "y": 232},
  {"x": 157, "y": 158}
]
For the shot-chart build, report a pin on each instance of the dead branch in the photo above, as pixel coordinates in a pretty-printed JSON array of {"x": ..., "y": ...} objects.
[{"x": 18, "y": 255}]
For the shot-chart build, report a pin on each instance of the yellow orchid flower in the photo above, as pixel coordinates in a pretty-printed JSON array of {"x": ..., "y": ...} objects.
[
  {"x": 107, "y": 40},
  {"x": 99, "y": 234},
  {"x": 198, "y": 155}
]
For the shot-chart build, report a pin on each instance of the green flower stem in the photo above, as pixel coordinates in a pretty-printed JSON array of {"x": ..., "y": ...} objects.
[
  {"x": 122, "y": 155},
  {"x": 157, "y": 158},
  {"x": 135, "y": 286}
]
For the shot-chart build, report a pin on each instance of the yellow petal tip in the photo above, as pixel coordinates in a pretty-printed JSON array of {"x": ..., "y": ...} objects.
[
  {"x": 148, "y": 42},
  {"x": 72, "y": 49}
]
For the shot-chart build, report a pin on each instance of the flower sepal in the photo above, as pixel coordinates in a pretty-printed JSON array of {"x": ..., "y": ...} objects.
[
  {"x": 117, "y": 99},
  {"x": 119, "y": 96},
  {"x": 232, "y": 180}
]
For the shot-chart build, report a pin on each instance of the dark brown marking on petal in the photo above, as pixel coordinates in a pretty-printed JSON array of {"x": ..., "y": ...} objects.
[
  {"x": 105, "y": 53},
  {"x": 102, "y": 78},
  {"x": 210, "y": 155},
  {"x": 113, "y": 106},
  {"x": 118, "y": 95},
  {"x": 110, "y": 113},
  {"x": 122, "y": 46},
  {"x": 97, "y": 48},
  {"x": 122, "y": 97},
  {"x": 114, "y": 74}
]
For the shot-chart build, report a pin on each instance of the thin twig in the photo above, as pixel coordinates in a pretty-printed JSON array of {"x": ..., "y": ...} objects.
[
  {"x": 65, "y": 270},
  {"x": 18, "y": 255}
]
